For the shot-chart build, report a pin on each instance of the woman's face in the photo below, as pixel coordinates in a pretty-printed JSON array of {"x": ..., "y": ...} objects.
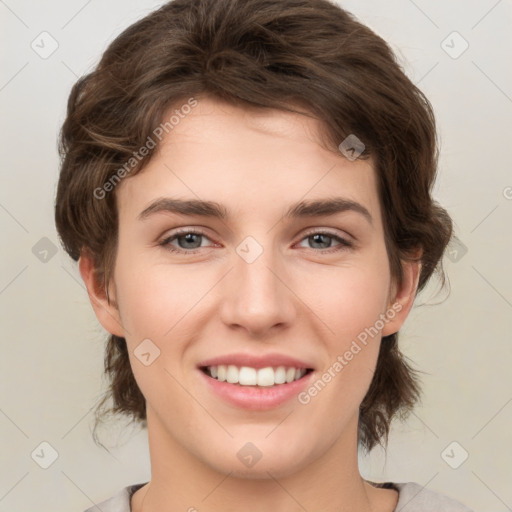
[{"x": 271, "y": 283}]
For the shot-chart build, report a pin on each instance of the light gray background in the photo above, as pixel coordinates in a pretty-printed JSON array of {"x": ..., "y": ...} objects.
[{"x": 51, "y": 362}]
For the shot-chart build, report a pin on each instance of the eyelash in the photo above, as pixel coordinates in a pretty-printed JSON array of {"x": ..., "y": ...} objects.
[{"x": 343, "y": 244}]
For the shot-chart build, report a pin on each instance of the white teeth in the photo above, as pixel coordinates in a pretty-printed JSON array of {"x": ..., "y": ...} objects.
[
  {"x": 265, "y": 377},
  {"x": 280, "y": 375},
  {"x": 232, "y": 374},
  {"x": 247, "y": 376}
]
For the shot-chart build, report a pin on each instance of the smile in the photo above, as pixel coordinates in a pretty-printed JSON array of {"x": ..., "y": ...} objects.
[{"x": 248, "y": 376}]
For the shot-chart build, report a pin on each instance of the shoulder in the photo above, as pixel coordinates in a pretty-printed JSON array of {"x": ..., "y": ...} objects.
[
  {"x": 119, "y": 502},
  {"x": 412, "y": 498},
  {"x": 416, "y": 498}
]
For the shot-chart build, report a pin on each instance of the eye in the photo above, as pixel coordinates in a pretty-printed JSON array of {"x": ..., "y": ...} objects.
[
  {"x": 187, "y": 239},
  {"x": 324, "y": 240}
]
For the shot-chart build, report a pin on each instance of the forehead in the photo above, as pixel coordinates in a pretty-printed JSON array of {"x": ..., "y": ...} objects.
[{"x": 247, "y": 157}]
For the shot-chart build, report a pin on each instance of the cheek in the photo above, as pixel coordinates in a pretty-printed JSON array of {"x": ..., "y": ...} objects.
[
  {"x": 156, "y": 304},
  {"x": 153, "y": 297},
  {"x": 350, "y": 299},
  {"x": 351, "y": 306}
]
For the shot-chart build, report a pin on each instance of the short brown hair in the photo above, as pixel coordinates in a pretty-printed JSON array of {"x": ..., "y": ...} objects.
[{"x": 264, "y": 54}]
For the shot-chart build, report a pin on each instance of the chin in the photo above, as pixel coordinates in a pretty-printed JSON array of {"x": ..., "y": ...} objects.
[{"x": 249, "y": 463}]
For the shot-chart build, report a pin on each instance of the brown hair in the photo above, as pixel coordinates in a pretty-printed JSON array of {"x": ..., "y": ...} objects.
[{"x": 263, "y": 54}]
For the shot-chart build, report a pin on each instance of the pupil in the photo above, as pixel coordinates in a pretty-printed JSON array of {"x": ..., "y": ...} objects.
[
  {"x": 189, "y": 238},
  {"x": 319, "y": 236}
]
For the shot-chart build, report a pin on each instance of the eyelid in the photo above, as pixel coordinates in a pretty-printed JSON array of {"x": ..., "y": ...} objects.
[
  {"x": 165, "y": 240},
  {"x": 344, "y": 242},
  {"x": 327, "y": 231}
]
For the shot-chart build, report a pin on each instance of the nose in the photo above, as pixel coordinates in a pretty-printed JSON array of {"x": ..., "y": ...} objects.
[{"x": 258, "y": 296}]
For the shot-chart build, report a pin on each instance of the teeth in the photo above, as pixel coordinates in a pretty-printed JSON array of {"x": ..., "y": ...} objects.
[
  {"x": 247, "y": 376},
  {"x": 265, "y": 377},
  {"x": 280, "y": 375},
  {"x": 232, "y": 374}
]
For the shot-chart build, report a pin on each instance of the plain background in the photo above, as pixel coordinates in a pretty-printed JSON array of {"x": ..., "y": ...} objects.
[{"x": 52, "y": 358}]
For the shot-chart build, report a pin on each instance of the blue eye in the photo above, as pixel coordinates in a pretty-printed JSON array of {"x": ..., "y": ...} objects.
[
  {"x": 189, "y": 241},
  {"x": 190, "y": 238},
  {"x": 319, "y": 237}
]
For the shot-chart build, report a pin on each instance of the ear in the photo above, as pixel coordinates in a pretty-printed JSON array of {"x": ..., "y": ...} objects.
[
  {"x": 402, "y": 297},
  {"x": 105, "y": 308}
]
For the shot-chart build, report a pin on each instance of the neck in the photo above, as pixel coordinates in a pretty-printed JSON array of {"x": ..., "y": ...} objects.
[{"x": 331, "y": 482}]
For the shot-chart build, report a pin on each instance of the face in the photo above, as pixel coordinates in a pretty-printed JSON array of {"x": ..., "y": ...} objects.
[{"x": 270, "y": 283}]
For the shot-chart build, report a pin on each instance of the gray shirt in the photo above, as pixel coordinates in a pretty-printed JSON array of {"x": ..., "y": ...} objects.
[{"x": 412, "y": 497}]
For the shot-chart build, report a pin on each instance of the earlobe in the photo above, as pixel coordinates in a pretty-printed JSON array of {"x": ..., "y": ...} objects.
[
  {"x": 403, "y": 299},
  {"x": 104, "y": 307}
]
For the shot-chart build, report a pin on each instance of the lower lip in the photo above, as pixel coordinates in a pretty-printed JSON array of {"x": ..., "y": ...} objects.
[{"x": 257, "y": 398}]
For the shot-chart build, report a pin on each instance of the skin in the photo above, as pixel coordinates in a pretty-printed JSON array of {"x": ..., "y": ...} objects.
[{"x": 295, "y": 298}]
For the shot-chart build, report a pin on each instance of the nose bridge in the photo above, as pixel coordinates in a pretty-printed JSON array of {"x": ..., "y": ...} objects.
[{"x": 256, "y": 297}]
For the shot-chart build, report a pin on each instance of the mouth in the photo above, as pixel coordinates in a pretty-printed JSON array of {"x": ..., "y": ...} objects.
[
  {"x": 257, "y": 382},
  {"x": 246, "y": 376}
]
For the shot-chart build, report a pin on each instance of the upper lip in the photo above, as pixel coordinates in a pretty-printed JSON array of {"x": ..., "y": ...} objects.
[{"x": 256, "y": 361}]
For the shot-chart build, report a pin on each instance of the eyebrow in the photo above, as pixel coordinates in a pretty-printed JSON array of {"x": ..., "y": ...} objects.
[{"x": 315, "y": 208}]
